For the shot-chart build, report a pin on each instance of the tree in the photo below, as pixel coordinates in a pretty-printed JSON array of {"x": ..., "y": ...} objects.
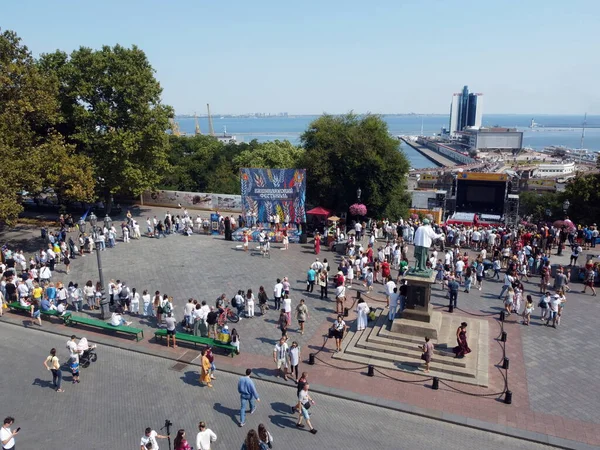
[
  {"x": 33, "y": 156},
  {"x": 272, "y": 155},
  {"x": 112, "y": 112},
  {"x": 538, "y": 204},
  {"x": 344, "y": 153},
  {"x": 583, "y": 193}
]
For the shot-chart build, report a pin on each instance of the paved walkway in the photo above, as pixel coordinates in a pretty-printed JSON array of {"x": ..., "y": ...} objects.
[
  {"x": 554, "y": 389},
  {"x": 123, "y": 393}
]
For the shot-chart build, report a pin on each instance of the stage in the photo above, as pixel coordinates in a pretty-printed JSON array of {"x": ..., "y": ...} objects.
[{"x": 274, "y": 234}]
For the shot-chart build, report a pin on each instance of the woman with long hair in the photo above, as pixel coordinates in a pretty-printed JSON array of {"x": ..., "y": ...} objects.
[
  {"x": 180, "y": 442},
  {"x": 252, "y": 442},
  {"x": 264, "y": 436},
  {"x": 461, "y": 339},
  {"x": 205, "y": 370}
]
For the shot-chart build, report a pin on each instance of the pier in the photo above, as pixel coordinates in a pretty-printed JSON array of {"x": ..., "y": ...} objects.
[{"x": 438, "y": 159}]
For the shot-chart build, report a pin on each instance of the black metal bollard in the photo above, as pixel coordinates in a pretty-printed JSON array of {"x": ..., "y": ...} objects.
[
  {"x": 502, "y": 316},
  {"x": 436, "y": 384},
  {"x": 370, "y": 370},
  {"x": 503, "y": 336},
  {"x": 311, "y": 359},
  {"x": 508, "y": 397},
  {"x": 505, "y": 363}
]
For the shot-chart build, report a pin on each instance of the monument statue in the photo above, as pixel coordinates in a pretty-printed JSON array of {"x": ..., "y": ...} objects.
[{"x": 424, "y": 236}]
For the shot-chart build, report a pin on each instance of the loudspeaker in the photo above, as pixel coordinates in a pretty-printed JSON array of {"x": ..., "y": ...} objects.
[{"x": 303, "y": 238}]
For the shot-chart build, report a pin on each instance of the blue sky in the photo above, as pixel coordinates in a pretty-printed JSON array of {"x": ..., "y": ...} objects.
[{"x": 309, "y": 56}]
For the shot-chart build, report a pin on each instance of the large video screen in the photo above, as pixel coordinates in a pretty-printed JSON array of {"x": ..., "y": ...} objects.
[{"x": 481, "y": 197}]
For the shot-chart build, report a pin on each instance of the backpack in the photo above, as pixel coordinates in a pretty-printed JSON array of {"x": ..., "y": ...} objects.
[{"x": 167, "y": 307}]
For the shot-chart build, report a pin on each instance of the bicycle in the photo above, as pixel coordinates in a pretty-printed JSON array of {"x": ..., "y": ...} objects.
[{"x": 227, "y": 315}]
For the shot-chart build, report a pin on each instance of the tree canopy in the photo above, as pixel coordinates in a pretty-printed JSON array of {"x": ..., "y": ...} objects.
[
  {"x": 111, "y": 111},
  {"x": 33, "y": 154},
  {"x": 344, "y": 153}
]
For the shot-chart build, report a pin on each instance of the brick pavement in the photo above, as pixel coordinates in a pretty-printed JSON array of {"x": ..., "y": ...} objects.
[
  {"x": 124, "y": 392},
  {"x": 548, "y": 396}
]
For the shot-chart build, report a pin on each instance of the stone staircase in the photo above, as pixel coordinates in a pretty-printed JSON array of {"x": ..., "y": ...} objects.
[{"x": 379, "y": 346}]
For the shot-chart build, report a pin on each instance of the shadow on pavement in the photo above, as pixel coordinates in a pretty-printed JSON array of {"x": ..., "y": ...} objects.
[
  {"x": 283, "y": 421},
  {"x": 191, "y": 377},
  {"x": 230, "y": 412}
]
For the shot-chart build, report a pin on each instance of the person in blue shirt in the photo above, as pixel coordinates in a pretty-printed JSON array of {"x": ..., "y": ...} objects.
[
  {"x": 46, "y": 305},
  {"x": 248, "y": 394},
  {"x": 51, "y": 292},
  {"x": 310, "y": 279}
]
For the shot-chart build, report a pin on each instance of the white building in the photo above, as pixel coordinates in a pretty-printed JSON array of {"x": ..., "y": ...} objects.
[{"x": 555, "y": 170}]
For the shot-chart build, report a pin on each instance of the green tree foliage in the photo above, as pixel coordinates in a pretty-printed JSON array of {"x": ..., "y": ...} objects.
[
  {"x": 203, "y": 164},
  {"x": 112, "y": 112},
  {"x": 33, "y": 156},
  {"x": 346, "y": 152},
  {"x": 273, "y": 155},
  {"x": 583, "y": 193},
  {"x": 535, "y": 205}
]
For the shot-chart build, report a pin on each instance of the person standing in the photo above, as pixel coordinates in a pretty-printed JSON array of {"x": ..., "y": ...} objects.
[
  {"x": 171, "y": 323},
  {"x": 277, "y": 293},
  {"x": 280, "y": 357},
  {"x": 301, "y": 315},
  {"x": 310, "y": 279},
  {"x": 249, "y": 303},
  {"x": 362, "y": 310},
  {"x": 248, "y": 394},
  {"x": 252, "y": 442},
  {"x": 205, "y": 437},
  {"x": 427, "y": 353},
  {"x": 150, "y": 436},
  {"x": 294, "y": 359},
  {"x": 461, "y": 339},
  {"x": 590, "y": 276},
  {"x": 304, "y": 403},
  {"x": 181, "y": 442},
  {"x": 264, "y": 436},
  {"x": 7, "y": 436},
  {"x": 394, "y": 297},
  {"x": 453, "y": 287},
  {"x": 287, "y": 307},
  {"x": 338, "y": 328},
  {"x": 51, "y": 363},
  {"x": 283, "y": 322}
]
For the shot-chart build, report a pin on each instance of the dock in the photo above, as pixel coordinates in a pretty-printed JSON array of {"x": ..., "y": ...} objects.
[{"x": 438, "y": 159}]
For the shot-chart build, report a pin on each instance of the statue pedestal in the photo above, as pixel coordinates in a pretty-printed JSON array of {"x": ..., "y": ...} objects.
[{"x": 418, "y": 317}]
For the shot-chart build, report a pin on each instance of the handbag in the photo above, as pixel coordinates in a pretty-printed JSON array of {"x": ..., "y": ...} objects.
[{"x": 306, "y": 405}]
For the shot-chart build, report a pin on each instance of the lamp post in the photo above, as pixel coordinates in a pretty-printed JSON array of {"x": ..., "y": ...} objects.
[
  {"x": 358, "y": 192},
  {"x": 107, "y": 222},
  {"x": 104, "y": 307}
]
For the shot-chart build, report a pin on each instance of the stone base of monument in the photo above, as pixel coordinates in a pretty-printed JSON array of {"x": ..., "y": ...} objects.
[
  {"x": 419, "y": 323},
  {"x": 384, "y": 348}
]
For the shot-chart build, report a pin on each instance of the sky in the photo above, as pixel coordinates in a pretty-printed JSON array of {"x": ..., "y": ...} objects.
[{"x": 315, "y": 56}]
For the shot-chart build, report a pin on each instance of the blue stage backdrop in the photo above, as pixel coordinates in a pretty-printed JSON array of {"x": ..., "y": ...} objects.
[{"x": 274, "y": 191}]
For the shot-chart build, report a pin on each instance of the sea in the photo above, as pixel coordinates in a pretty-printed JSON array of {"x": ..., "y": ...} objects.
[{"x": 562, "y": 130}]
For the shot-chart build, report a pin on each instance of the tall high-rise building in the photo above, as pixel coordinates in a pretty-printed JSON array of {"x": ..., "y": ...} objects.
[{"x": 466, "y": 110}]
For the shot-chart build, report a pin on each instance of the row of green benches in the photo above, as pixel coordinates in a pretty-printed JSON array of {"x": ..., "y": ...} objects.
[{"x": 70, "y": 319}]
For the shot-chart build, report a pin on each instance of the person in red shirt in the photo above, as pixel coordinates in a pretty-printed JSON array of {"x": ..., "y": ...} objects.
[{"x": 385, "y": 270}]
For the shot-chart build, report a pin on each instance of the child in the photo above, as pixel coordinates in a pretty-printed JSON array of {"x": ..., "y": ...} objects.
[
  {"x": 527, "y": 311},
  {"x": 74, "y": 366},
  {"x": 235, "y": 340},
  {"x": 369, "y": 279}
]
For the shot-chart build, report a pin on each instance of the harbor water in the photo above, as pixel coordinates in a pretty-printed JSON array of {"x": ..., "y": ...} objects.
[{"x": 290, "y": 128}]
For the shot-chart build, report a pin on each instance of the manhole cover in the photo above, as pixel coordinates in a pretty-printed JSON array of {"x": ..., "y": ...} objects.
[{"x": 178, "y": 367}]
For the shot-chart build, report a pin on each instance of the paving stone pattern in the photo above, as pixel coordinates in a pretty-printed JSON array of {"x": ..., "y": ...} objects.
[{"x": 124, "y": 392}]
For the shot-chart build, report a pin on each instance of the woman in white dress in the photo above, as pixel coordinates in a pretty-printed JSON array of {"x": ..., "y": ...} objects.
[
  {"x": 250, "y": 303},
  {"x": 362, "y": 309}
]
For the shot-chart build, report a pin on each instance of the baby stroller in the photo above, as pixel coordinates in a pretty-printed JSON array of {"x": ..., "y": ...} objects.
[{"x": 88, "y": 354}]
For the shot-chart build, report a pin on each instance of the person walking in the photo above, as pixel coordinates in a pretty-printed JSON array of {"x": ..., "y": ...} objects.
[
  {"x": 7, "y": 436},
  {"x": 301, "y": 315},
  {"x": 362, "y": 311},
  {"x": 51, "y": 363},
  {"x": 427, "y": 353},
  {"x": 590, "y": 276},
  {"x": 282, "y": 322},
  {"x": 453, "y": 287},
  {"x": 277, "y": 294},
  {"x": 280, "y": 353},
  {"x": 205, "y": 378},
  {"x": 310, "y": 279},
  {"x": 338, "y": 328},
  {"x": 248, "y": 395},
  {"x": 304, "y": 403},
  {"x": 205, "y": 437},
  {"x": 263, "y": 301}
]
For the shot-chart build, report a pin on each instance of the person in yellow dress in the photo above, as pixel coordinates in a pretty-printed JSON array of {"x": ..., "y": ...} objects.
[{"x": 205, "y": 370}]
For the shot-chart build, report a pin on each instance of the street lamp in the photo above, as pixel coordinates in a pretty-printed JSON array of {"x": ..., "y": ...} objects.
[
  {"x": 566, "y": 205},
  {"x": 104, "y": 307},
  {"x": 358, "y": 192},
  {"x": 81, "y": 224}
]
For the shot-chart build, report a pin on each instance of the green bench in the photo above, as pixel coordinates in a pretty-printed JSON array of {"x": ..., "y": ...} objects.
[
  {"x": 73, "y": 320},
  {"x": 50, "y": 312},
  {"x": 184, "y": 337}
]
